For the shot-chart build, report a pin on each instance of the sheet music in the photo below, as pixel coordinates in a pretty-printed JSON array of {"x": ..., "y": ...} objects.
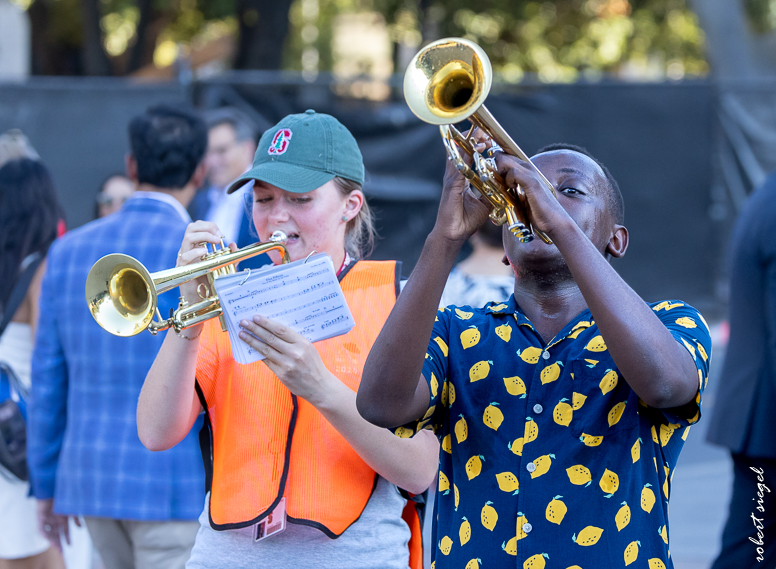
[{"x": 304, "y": 295}]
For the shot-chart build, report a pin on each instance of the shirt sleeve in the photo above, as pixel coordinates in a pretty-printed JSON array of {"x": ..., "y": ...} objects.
[
  {"x": 691, "y": 331},
  {"x": 435, "y": 374},
  {"x": 47, "y": 409}
]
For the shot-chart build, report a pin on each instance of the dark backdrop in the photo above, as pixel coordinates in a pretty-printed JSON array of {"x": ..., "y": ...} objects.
[{"x": 657, "y": 139}]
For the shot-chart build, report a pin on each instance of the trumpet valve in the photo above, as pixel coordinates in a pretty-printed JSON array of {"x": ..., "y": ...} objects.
[{"x": 519, "y": 229}]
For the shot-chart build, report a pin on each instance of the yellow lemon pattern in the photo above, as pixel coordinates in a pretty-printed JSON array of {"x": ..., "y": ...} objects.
[
  {"x": 444, "y": 483},
  {"x": 608, "y": 382},
  {"x": 489, "y": 516},
  {"x": 631, "y": 552},
  {"x": 442, "y": 345},
  {"x": 597, "y": 344},
  {"x": 504, "y": 332},
  {"x": 542, "y": 465},
  {"x": 556, "y": 510},
  {"x": 507, "y": 482},
  {"x": 579, "y": 475},
  {"x": 610, "y": 482},
  {"x": 470, "y": 337},
  {"x": 474, "y": 466},
  {"x": 548, "y": 458},
  {"x": 538, "y": 561},
  {"x": 465, "y": 532},
  {"x": 445, "y": 545},
  {"x": 622, "y": 519},
  {"x": 562, "y": 413},
  {"x": 530, "y": 355},
  {"x": 461, "y": 430},
  {"x": 479, "y": 371},
  {"x": 636, "y": 451},
  {"x": 616, "y": 413},
  {"x": 514, "y": 385},
  {"x": 647, "y": 498},
  {"x": 551, "y": 373},
  {"x": 493, "y": 417},
  {"x": 588, "y": 536}
]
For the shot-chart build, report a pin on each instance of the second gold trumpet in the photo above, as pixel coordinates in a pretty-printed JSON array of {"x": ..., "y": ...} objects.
[
  {"x": 122, "y": 293},
  {"x": 447, "y": 82}
]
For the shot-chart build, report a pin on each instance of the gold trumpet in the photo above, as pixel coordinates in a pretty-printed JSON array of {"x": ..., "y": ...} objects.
[
  {"x": 122, "y": 293},
  {"x": 447, "y": 82}
]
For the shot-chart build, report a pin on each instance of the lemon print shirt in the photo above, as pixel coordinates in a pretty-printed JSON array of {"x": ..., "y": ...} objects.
[{"x": 549, "y": 459}]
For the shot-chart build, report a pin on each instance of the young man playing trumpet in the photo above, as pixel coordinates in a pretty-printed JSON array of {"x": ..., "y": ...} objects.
[{"x": 561, "y": 412}]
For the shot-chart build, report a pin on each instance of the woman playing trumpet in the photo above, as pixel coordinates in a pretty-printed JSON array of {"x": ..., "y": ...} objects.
[{"x": 287, "y": 446}]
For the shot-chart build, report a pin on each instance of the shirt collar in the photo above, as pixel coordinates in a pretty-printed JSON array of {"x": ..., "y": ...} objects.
[
  {"x": 166, "y": 198},
  {"x": 582, "y": 321}
]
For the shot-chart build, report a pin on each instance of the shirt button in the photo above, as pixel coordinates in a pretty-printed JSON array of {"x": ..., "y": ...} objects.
[
  {"x": 538, "y": 408},
  {"x": 530, "y": 467},
  {"x": 545, "y": 355},
  {"x": 527, "y": 527}
]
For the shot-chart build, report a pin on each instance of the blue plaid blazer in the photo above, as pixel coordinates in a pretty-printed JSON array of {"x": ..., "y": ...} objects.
[{"x": 83, "y": 447}]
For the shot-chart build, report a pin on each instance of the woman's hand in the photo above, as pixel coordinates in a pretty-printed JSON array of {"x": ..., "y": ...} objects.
[
  {"x": 54, "y": 527},
  {"x": 291, "y": 357},
  {"x": 193, "y": 249}
]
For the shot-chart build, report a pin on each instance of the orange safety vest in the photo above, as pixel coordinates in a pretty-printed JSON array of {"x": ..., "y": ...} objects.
[{"x": 264, "y": 443}]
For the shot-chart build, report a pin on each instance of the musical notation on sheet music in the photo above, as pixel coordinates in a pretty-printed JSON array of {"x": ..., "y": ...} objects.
[{"x": 304, "y": 295}]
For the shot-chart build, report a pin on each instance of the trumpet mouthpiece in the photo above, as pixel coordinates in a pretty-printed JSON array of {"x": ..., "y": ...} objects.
[{"x": 278, "y": 237}]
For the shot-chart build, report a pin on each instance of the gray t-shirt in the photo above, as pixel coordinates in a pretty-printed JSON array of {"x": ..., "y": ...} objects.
[{"x": 377, "y": 540}]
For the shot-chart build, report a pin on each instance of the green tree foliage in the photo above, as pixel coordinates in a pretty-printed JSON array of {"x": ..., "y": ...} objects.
[
  {"x": 762, "y": 14},
  {"x": 564, "y": 40},
  {"x": 558, "y": 41}
]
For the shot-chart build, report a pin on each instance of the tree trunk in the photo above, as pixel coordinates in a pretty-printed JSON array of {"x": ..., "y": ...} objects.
[
  {"x": 95, "y": 60},
  {"x": 263, "y": 30},
  {"x": 734, "y": 49},
  {"x": 39, "y": 17},
  {"x": 150, "y": 23}
]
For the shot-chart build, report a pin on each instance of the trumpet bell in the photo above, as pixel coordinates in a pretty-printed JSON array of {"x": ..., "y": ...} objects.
[
  {"x": 119, "y": 296},
  {"x": 447, "y": 81}
]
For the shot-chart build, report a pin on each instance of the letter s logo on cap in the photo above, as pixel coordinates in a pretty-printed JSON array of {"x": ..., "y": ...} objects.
[{"x": 280, "y": 142}]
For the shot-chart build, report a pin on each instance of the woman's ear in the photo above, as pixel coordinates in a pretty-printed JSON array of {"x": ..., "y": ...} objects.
[
  {"x": 618, "y": 242},
  {"x": 353, "y": 204}
]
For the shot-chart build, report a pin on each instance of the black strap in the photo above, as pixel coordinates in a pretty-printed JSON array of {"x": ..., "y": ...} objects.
[{"x": 20, "y": 291}]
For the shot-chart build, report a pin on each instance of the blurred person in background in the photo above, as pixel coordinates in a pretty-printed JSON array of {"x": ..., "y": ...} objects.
[
  {"x": 14, "y": 144},
  {"x": 29, "y": 215},
  {"x": 286, "y": 440},
  {"x": 743, "y": 420},
  {"x": 482, "y": 276},
  {"x": 114, "y": 191},
  {"x": 230, "y": 149},
  {"x": 84, "y": 454}
]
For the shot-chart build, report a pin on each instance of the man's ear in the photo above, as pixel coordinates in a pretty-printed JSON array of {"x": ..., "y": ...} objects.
[
  {"x": 130, "y": 165},
  {"x": 618, "y": 242},
  {"x": 198, "y": 178}
]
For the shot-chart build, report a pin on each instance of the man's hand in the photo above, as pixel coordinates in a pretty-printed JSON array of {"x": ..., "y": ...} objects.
[
  {"x": 544, "y": 211},
  {"x": 460, "y": 212},
  {"x": 53, "y": 526}
]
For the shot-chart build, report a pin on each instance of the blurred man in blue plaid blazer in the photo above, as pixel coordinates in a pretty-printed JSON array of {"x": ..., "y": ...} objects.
[{"x": 84, "y": 453}]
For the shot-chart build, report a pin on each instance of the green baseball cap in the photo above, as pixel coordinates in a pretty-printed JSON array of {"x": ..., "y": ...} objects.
[{"x": 303, "y": 152}]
